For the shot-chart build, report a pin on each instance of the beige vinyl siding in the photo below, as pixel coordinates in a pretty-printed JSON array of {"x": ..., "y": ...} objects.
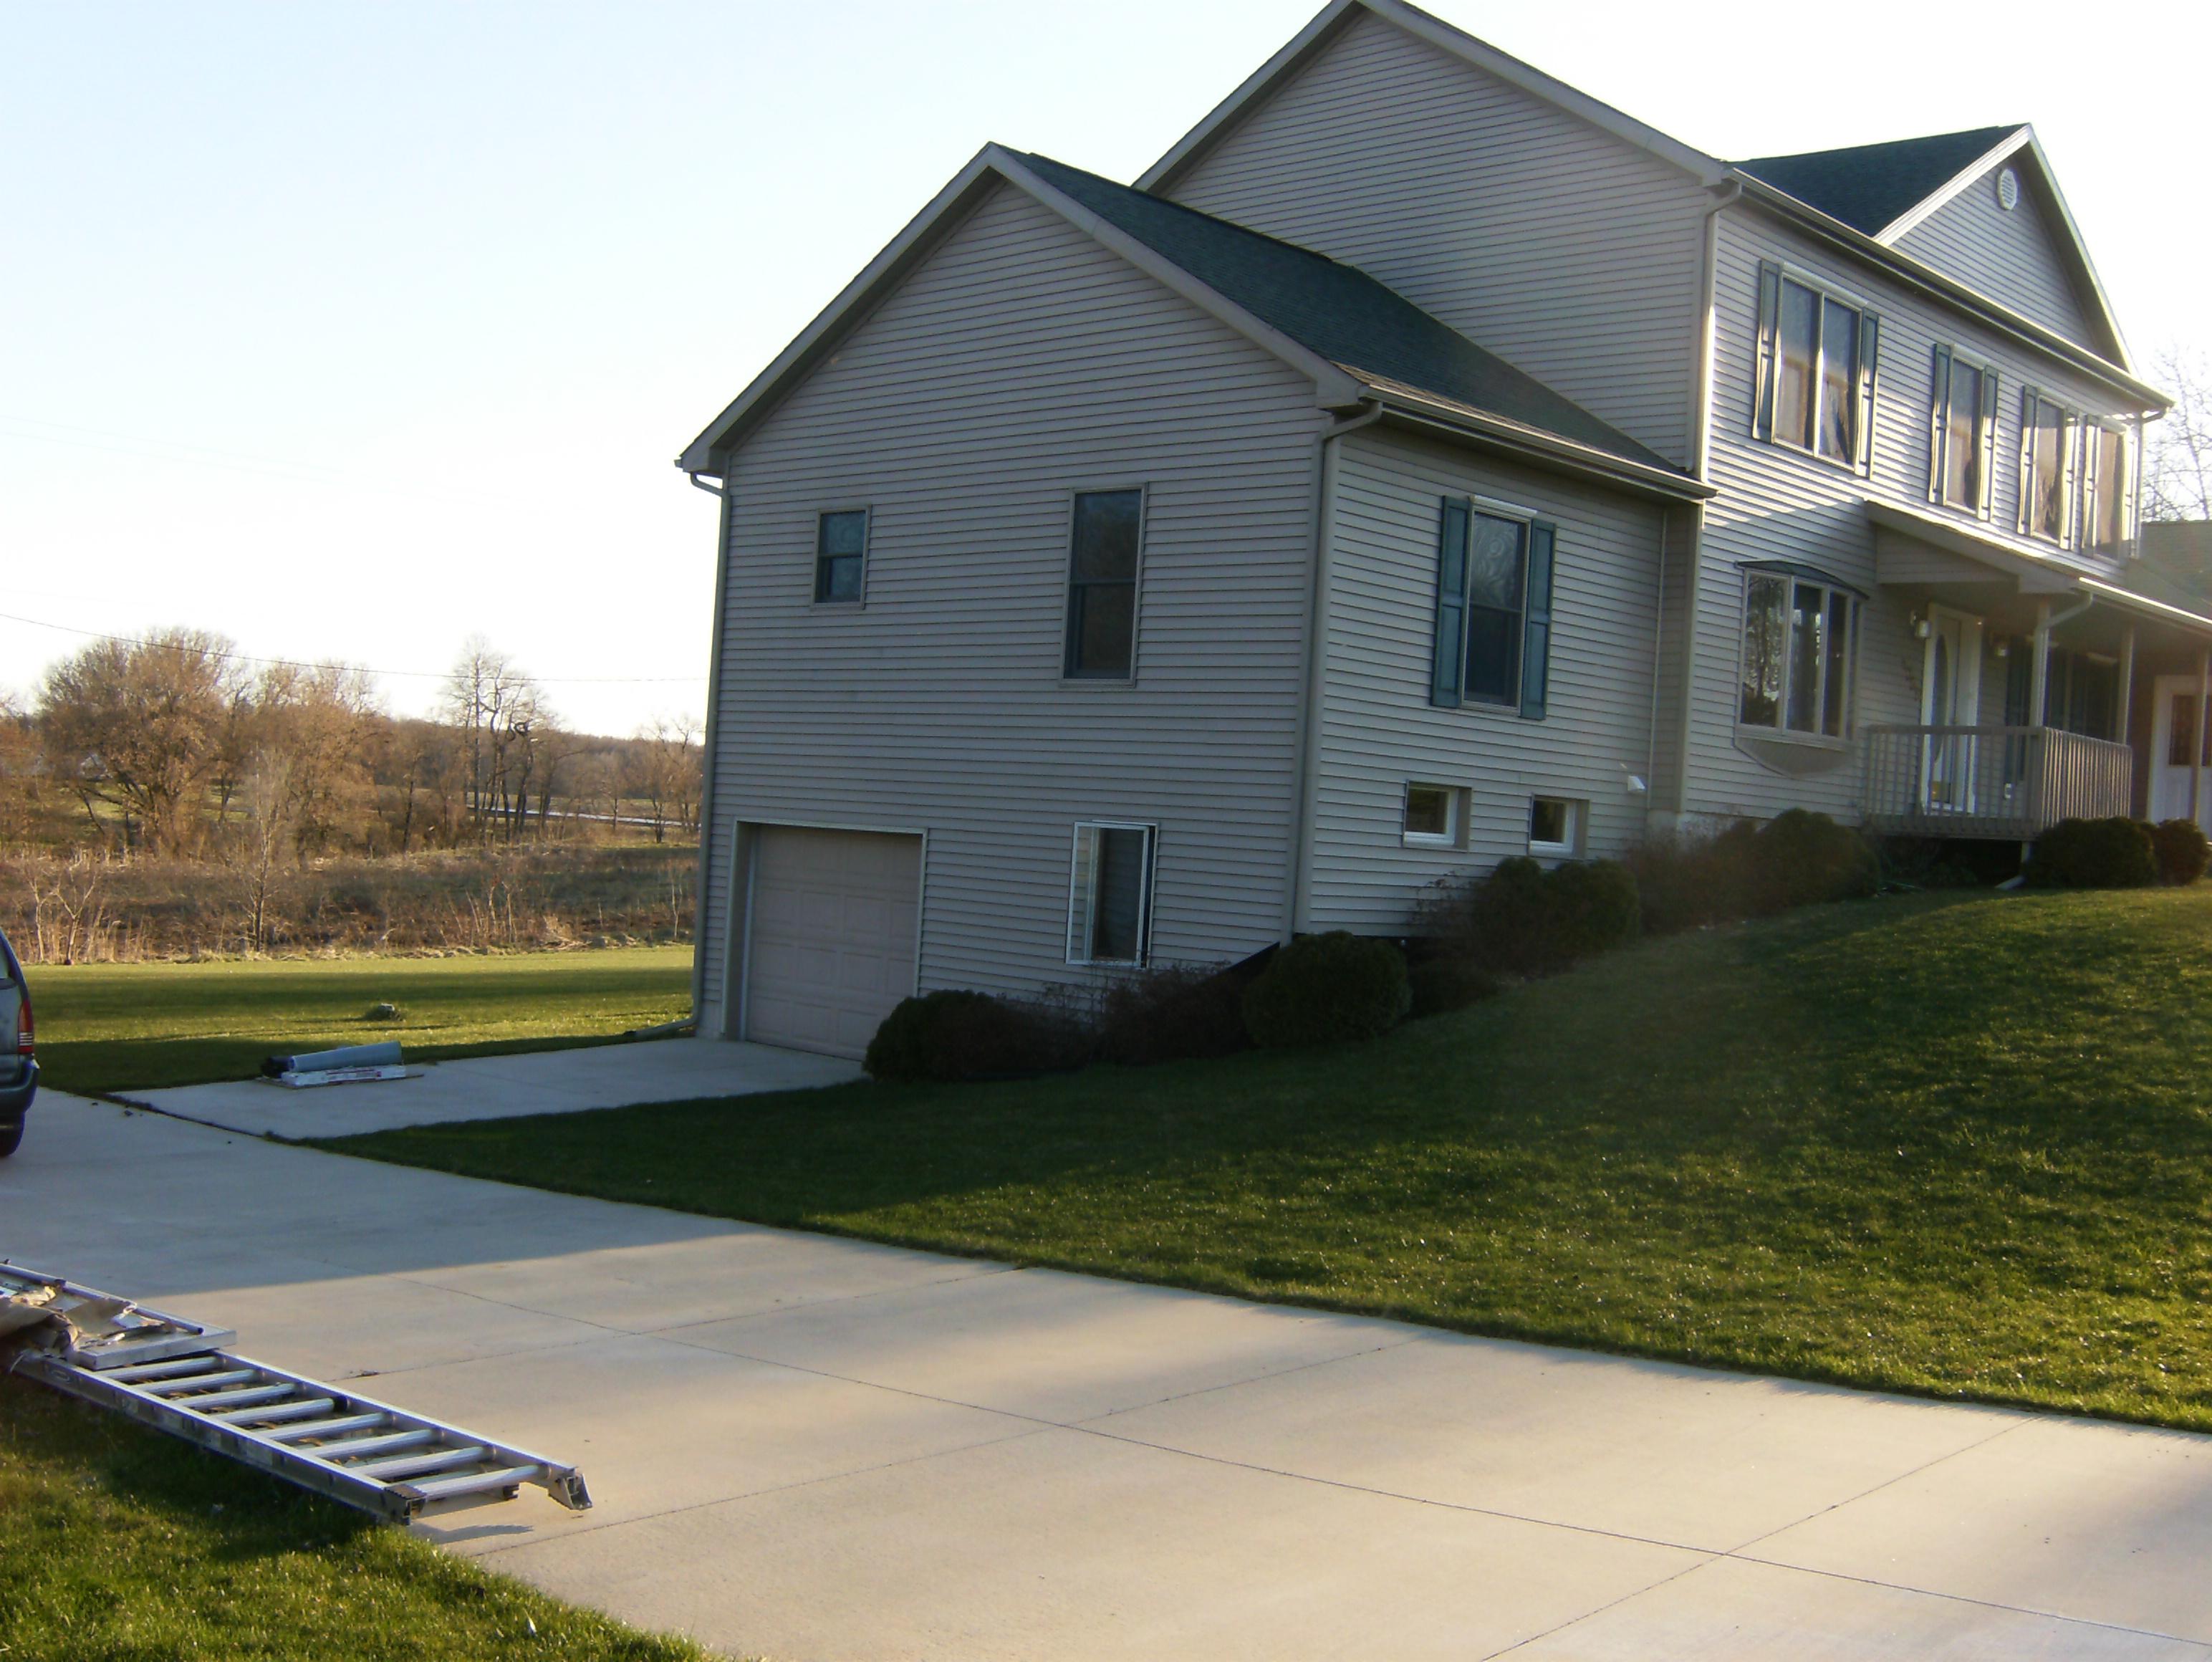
[
  {"x": 1022, "y": 361},
  {"x": 1565, "y": 250},
  {"x": 1376, "y": 729},
  {"x": 1776, "y": 503},
  {"x": 2010, "y": 256}
]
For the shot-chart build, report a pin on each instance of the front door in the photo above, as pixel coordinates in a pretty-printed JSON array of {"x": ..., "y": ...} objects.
[
  {"x": 2173, "y": 735},
  {"x": 1950, "y": 696}
]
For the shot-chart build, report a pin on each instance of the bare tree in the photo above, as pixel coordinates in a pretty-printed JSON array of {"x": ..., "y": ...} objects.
[
  {"x": 311, "y": 735},
  {"x": 664, "y": 769},
  {"x": 22, "y": 775},
  {"x": 500, "y": 720},
  {"x": 145, "y": 729},
  {"x": 2178, "y": 464}
]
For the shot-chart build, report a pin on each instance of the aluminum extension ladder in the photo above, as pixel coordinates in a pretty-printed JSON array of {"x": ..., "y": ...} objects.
[{"x": 174, "y": 1375}]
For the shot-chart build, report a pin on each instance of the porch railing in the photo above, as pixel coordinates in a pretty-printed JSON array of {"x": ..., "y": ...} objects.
[{"x": 1998, "y": 782}]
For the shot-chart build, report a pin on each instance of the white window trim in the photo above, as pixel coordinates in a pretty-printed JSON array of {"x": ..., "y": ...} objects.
[
  {"x": 2085, "y": 488},
  {"x": 1136, "y": 590},
  {"x": 1577, "y": 810},
  {"x": 2071, "y": 424},
  {"x": 859, "y": 603},
  {"x": 1939, "y": 428},
  {"x": 1090, "y": 901},
  {"x": 1797, "y": 735},
  {"x": 1861, "y": 370},
  {"x": 1455, "y": 834}
]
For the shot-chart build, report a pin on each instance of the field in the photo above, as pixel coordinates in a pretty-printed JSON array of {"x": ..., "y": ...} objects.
[
  {"x": 1955, "y": 1146},
  {"x": 106, "y": 1027}
]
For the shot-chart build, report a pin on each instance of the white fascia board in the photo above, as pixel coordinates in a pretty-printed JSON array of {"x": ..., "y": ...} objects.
[
  {"x": 920, "y": 235},
  {"x": 1459, "y": 44},
  {"x": 2022, "y": 138},
  {"x": 1757, "y": 193},
  {"x": 1526, "y": 443},
  {"x": 1333, "y": 389}
]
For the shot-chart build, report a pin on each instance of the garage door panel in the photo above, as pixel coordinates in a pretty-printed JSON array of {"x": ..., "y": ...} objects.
[{"x": 833, "y": 935}]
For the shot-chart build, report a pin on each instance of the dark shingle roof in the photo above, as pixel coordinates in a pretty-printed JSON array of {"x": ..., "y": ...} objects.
[
  {"x": 1869, "y": 186},
  {"x": 1337, "y": 312}
]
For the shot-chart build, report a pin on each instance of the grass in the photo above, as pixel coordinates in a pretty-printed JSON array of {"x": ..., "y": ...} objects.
[
  {"x": 1954, "y": 1146},
  {"x": 123, "y": 1545},
  {"x": 111, "y": 1027}
]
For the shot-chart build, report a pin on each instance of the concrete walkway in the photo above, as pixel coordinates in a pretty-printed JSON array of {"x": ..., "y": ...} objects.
[
  {"x": 815, "y": 1448},
  {"x": 501, "y": 1087}
]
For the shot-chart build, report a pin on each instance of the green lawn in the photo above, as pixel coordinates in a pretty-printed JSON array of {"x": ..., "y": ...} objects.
[
  {"x": 136, "y": 1026},
  {"x": 1959, "y": 1146},
  {"x": 119, "y": 1545}
]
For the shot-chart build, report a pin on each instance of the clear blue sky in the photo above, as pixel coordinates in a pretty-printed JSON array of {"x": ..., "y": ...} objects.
[{"x": 352, "y": 330}]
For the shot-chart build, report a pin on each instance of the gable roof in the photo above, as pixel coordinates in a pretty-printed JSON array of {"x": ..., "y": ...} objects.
[
  {"x": 1917, "y": 162},
  {"x": 1871, "y": 187},
  {"x": 1339, "y": 313},
  {"x": 1361, "y": 341}
]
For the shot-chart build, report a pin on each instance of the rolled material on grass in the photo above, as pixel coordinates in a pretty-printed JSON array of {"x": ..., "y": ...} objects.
[{"x": 385, "y": 1054}]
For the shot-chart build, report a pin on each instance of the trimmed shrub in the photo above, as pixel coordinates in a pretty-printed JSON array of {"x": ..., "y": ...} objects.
[
  {"x": 2094, "y": 854},
  {"x": 1170, "y": 1013},
  {"x": 1329, "y": 989},
  {"x": 2182, "y": 851},
  {"x": 1445, "y": 983},
  {"x": 1523, "y": 920},
  {"x": 1805, "y": 858},
  {"x": 957, "y": 1035}
]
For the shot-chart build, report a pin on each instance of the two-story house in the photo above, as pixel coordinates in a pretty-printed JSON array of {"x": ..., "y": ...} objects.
[{"x": 1422, "y": 463}]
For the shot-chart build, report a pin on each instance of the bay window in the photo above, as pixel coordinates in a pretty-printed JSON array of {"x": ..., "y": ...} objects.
[{"x": 1799, "y": 637}]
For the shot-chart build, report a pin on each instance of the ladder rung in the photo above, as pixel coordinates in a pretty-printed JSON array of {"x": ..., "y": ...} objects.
[
  {"x": 140, "y": 1371},
  {"x": 444, "y": 1459},
  {"x": 170, "y": 1391},
  {"x": 353, "y": 1448},
  {"x": 275, "y": 1413},
  {"x": 328, "y": 1427},
  {"x": 243, "y": 1396},
  {"x": 477, "y": 1483}
]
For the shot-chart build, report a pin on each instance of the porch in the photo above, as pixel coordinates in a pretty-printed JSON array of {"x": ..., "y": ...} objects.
[{"x": 2046, "y": 692}]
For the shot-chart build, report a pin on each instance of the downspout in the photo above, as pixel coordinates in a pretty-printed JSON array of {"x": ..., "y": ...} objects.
[
  {"x": 707, "y": 768},
  {"x": 1316, "y": 668},
  {"x": 1676, "y": 800}
]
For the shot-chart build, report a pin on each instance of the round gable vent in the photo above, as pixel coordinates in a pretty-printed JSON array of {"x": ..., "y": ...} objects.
[{"x": 2007, "y": 189}]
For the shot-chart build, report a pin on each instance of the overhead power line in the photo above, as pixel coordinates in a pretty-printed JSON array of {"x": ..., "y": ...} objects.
[{"x": 398, "y": 674}]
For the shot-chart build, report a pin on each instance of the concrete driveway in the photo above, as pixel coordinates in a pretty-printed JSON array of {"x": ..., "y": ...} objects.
[
  {"x": 815, "y": 1448},
  {"x": 500, "y": 1087}
]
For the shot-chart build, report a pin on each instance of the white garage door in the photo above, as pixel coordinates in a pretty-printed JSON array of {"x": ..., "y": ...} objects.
[{"x": 833, "y": 936}]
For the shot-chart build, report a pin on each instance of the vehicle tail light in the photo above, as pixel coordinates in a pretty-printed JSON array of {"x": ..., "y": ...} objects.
[{"x": 24, "y": 1037}]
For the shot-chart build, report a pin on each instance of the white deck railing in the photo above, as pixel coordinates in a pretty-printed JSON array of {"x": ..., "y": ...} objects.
[{"x": 2008, "y": 782}]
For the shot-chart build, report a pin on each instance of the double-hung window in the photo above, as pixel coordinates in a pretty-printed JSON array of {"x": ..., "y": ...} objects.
[
  {"x": 840, "y": 556},
  {"x": 1817, "y": 352},
  {"x": 2107, "y": 488},
  {"x": 1110, "y": 894},
  {"x": 2047, "y": 434},
  {"x": 1962, "y": 433},
  {"x": 1102, "y": 585},
  {"x": 1493, "y": 620},
  {"x": 1800, "y": 639}
]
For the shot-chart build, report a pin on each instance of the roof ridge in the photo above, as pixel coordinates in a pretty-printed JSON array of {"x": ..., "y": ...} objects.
[{"x": 1195, "y": 213}]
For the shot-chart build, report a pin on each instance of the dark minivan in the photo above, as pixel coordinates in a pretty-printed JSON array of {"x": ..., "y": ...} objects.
[{"x": 19, "y": 1067}]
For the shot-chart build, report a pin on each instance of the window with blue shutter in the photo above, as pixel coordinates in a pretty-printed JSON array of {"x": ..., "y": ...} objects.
[{"x": 1493, "y": 613}]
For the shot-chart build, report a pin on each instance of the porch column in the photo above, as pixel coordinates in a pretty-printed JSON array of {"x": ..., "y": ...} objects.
[
  {"x": 2039, "y": 686},
  {"x": 2197, "y": 750},
  {"x": 2127, "y": 684}
]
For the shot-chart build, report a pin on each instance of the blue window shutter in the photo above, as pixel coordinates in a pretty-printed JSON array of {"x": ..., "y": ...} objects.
[
  {"x": 1938, "y": 406},
  {"x": 1986, "y": 430},
  {"x": 1448, "y": 670},
  {"x": 1770, "y": 310},
  {"x": 1536, "y": 627}
]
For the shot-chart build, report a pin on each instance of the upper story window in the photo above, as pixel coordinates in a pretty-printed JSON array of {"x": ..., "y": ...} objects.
[
  {"x": 1962, "y": 432},
  {"x": 1799, "y": 636},
  {"x": 1493, "y": 632},
  {"x": 2108, "y": 488},
  {"x": 841, "y": 556},
  {"x": 1102, "y": 585},
  {"x": 2047, "y": 434},
  {"x": 1817, "y": 354}
]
